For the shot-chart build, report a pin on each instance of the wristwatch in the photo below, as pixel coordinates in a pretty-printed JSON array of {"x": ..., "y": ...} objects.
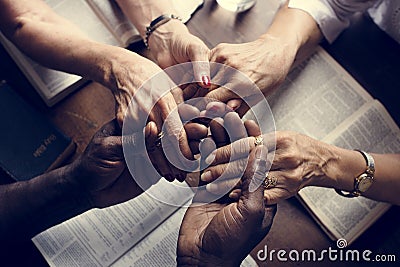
[{"x": 363, "y": 181}]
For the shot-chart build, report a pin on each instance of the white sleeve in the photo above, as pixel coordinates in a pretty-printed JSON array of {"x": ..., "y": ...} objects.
[{"x": 332, "y": 16}]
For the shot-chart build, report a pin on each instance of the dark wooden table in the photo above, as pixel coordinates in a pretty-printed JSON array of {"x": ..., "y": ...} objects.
[{"x": 364, "y": 50}]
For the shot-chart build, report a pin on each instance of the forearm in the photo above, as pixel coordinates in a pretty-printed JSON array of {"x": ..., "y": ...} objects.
[
  {"x": 58, "y": 44},
  {"x": 295, "y": 29},
  {"x": 29, "y": 207},
  {"x": 344, "y": 165}
]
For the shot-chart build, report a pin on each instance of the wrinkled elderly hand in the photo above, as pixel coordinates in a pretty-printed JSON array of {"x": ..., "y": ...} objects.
[
  {"x": 298, "y": 161},
  {"x": 141, "y": 99},
  {"x": 221, "y": 233},
  {"x": 265, "y": 61},
  {"x": 172, "y": 43}
]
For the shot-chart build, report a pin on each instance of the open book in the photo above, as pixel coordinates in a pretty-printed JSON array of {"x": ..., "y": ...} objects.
[
  {"x": 139, "y": 232},
  {"x": 101, "y": 20},
  {"x": 320, "y": 99}
]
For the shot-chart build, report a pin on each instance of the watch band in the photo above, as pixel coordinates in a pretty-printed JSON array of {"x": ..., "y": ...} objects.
[
  {"x": 157, "y": 22},
  {"x": 367, "y": 174}
]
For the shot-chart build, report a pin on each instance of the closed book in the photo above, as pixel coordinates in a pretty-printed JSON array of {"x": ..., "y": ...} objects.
[{"x": 29, "y": 143}]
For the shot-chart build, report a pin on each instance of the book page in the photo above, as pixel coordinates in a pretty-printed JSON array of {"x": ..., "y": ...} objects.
[
  {"x": 316, "y": 96},
  {"x": 101, "y": 236},
  {"x": 48, "y": 83},
  {"x": 370, "y": 129},
  {"x": 126, "y": 33},
  {"x": 159, "y": 247},
  {"x": 114, "y": 19},
  {"x": 82, "y": 15}
]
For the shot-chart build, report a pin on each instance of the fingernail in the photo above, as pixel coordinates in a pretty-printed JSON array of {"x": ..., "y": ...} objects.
[
  {"x": 231, "y": 194},
  {"x": 212, "y": 187},
  {"x": 206, "y": 80},
  {"x": 206, "y": 176},
  {"x": 210, "y": 158},
  {"x": 233, "y": 106}
]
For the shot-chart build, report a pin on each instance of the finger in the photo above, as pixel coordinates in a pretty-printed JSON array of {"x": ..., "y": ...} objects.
[
  {"x": 151, "y": 133},
  {"x": 222, "y": 187},
  {"x": 235, "y": 194},
  {"x": 199, "y": 56},
  {"x": 178, "y": 165},
  {"x": 273, "y": 196},
  {"x": 234, "y": 126},
  {"x": 234, "y": 104},
  {"x": 216, "y": 109},
  {"x": 218, "y": 132},
  {"x": 222, "y": 94},
  {"x": 175, "y": 135},
  {"x": 137, "y": 144},
  {"x": 225, "y": 171},
  {"x": 155, "y": 153},
  {"x": 236, "y": 150},
  {"x": 194, "y": 146},
  {"x": 207, "y": 145},
  {"x": 177, "y": 94},
  {"x": 243, "y": 109},
  {"x": 189, "y": 91},
  {"x": 252, "y": 128},
  {"x": 196, "y": 131},
  {"x": 252, "y": 199},
  {"x": 188, "y": 112}
]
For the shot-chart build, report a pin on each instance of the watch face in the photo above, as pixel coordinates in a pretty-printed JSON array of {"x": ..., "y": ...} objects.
[{"x": 365, "y": 182}]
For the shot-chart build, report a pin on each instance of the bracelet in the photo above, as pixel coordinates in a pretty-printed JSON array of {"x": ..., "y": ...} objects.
[{"x": 157, "y": 23}]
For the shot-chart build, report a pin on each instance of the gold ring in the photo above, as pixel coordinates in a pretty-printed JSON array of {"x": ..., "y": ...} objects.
[
  {"x": 270, "y": 182},
  {"x": 259, "y": 140}
]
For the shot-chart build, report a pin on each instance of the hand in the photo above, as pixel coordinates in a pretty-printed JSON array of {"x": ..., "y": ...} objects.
[
  {"x": 298, "y": 161},
  {"x": 223, "y": 234},
  {"x": 140, "y": 100},
  {"x": 172, "y": 43},
  {"x": 101, "y": 171},
  {"x": 266, "y": 61}
]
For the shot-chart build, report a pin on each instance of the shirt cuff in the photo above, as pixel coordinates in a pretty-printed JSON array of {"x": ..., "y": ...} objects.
[{"x": 323, "y": 14}]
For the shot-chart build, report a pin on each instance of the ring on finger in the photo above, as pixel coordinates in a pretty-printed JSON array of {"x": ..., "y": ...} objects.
[
  {"x": 270, "y": 182},
  {"x": 159, "y": 137},
  {"x": 259, "y": 140}
]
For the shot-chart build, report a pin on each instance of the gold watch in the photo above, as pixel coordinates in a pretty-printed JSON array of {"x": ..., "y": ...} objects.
[{"x": 363, "y": 181}]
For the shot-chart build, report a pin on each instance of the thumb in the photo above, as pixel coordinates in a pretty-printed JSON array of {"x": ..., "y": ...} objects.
[
  {"x": 252, "y": 199},
  {"x": 222, "y": 94},
  {"x": 199, "y": 56},
  {"x": 135, "y": 144}
]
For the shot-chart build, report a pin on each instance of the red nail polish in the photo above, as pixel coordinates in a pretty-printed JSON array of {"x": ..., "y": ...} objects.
[{"x": 206, "y": 80}]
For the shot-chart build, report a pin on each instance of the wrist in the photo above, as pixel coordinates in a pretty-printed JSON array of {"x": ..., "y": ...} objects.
[
  {"x": 297, "y": 29},
  {"x": 342, "y": 167},
  {"x": 159, "y": 38},
  {"x": 115, "y": 65},
  {"x": 72, "y": 181}
]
